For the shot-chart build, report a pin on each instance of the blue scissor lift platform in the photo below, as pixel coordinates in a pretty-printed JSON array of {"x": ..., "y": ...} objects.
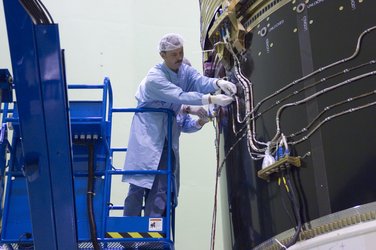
[
  {"x": 58, "y": 162},
  {"x": 90, "y": 123}
]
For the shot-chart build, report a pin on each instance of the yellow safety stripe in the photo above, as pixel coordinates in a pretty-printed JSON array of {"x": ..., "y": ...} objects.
[
  {"x": 135, "y": 235},
  {"x": 155, "y": 235},
  {"x": 115, "y": 235}
]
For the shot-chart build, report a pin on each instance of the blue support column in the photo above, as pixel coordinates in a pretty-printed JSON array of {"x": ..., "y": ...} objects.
[{"x": 44, "y": 124}]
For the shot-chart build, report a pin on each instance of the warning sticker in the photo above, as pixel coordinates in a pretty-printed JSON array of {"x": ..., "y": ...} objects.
[{"x": 155, "y": 224}]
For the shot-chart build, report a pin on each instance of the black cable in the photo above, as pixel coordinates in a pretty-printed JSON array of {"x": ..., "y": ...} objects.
[
  {"x": 90, "y": 196},
  {"x": 37, "y": 11},
  {"x": 296, "y": 209},
  {"x": 25, "y": 245},
  {"x": 301, "y": 195},
  {"x": 47, "y": 13},
  {"x": 28, "y": 8},
  {"x": 284, "y": 203},
  {"x": 42, "y": 14}
]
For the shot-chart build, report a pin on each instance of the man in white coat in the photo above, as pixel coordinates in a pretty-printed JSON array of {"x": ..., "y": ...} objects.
[{"x": 168, "y": 85}]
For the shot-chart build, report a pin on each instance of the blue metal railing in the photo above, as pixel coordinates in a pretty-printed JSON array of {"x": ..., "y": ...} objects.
[
  {"x": 167, "y": 172},
  {"x": 110, "y": 110}
]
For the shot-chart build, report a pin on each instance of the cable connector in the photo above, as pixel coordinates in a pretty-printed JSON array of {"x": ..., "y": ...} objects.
[
  {"x": 268, "y": 158},
  {"x": 278, "y": 166}
]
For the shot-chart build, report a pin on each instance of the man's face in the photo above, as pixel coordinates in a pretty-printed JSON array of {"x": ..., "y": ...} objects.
[{"x": 173, "y": 58}]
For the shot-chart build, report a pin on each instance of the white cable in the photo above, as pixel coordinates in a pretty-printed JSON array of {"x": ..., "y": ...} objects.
[{"x": 279, "y": 243}]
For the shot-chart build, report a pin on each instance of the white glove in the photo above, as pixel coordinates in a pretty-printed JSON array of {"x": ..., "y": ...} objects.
[
  {"x": 221, "y": 100},
  {"x": 197, "y": 110},
  {"x": 228, "y": 87}
]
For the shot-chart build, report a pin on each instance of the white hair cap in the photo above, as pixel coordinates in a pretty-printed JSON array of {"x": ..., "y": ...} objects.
[{"x": 170, "y": 42}]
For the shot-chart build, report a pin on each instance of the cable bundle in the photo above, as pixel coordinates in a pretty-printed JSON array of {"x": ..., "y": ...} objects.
[{"x": 37, "y": 11}]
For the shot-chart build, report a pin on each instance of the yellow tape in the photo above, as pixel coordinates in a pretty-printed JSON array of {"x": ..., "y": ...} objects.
[
  {"x": 155, "y": 235},
  {"x": 115, "y": 235},
  {"x": 135, "y": 235}
]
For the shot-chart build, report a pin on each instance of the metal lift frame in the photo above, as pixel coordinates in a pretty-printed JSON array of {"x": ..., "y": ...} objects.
[
  {"x": 107, "y": 225},
  {"x": 45, "y": 131},
  {"x": 42, "y": 106}
]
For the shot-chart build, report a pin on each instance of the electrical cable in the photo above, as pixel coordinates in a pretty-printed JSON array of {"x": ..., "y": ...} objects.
[
  {"x": 279, "y": 243},
  {"x": 330, "y": 118},
  {"x": 279, "y": 182},
  {"x": 348, "y": 81},
  {"x": 327, "y": 108},
  {"x": 214, "y": 216},
  {"x": 295, "y": 208},
  {"x": 25, "y": 245},
  {"x": 248, "y": 95},
  {"x": 322, "y": 80},
  {"x": 90, "y": 196},
  {"x": 355, "y": 53},
  {"x": 37, "y": 11},
  {"x": 29, "y": 8},
  {"x": 295, "y": 175},
  {"x": 42, "y": 16},
  {"x": 250, "y": 114},
  {"x": 246, "y": 85},
  {"x": 51, "y": 21}
]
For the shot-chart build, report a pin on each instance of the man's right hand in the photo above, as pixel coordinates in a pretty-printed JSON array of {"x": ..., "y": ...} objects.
[{"x": 221, "y": 100}]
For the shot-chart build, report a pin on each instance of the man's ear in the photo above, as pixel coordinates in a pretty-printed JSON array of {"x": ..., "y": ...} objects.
[{"x": 162, "y": 54}]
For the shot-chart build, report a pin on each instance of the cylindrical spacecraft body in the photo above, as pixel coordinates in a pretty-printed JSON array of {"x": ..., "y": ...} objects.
[{"x": 306, "y": 78}]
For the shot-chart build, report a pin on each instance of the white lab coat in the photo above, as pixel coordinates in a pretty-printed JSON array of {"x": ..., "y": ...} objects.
[{"x": 162, "y": 88}]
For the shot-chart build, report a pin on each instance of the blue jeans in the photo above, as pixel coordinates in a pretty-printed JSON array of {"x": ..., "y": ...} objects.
[{"x": 155, "y": 198}]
